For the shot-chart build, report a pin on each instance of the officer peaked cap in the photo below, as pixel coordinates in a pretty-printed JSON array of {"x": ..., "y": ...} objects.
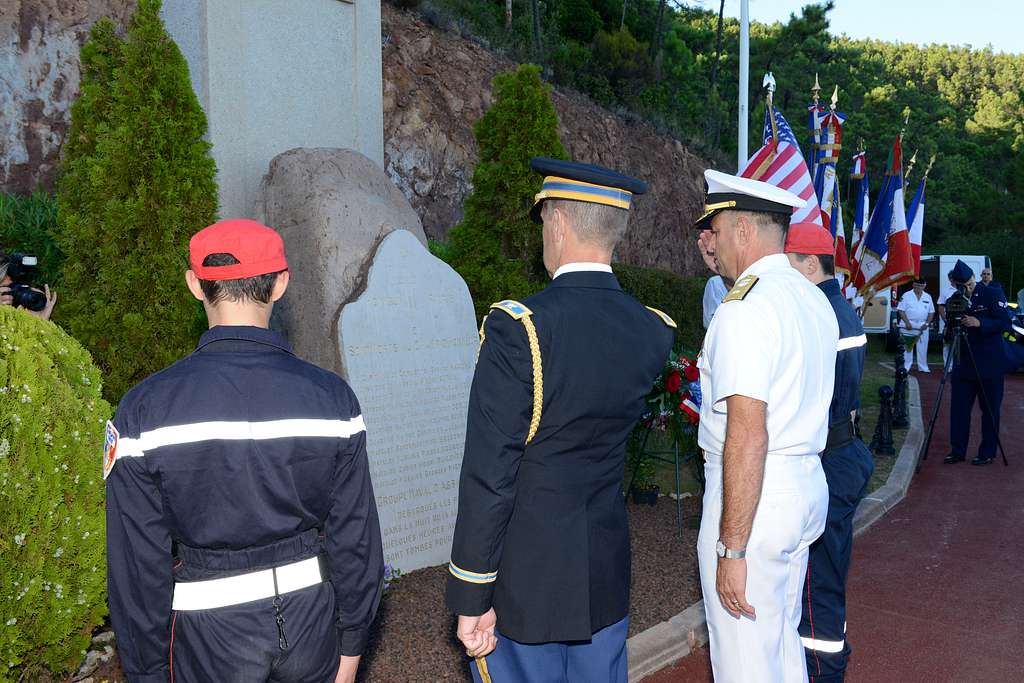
[
  {"x": 961, "y": 272},
  {"x": 583, "y": 183},
  {"x": 743, "y": 194}
]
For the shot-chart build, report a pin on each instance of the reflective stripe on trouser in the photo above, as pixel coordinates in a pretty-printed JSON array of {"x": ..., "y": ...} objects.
[
  {"x": 790, "y": 515},
  {"x": 239, "y": 644},
  {"x": 602, "y": 660},
  {"x": 823, "y": 622}
]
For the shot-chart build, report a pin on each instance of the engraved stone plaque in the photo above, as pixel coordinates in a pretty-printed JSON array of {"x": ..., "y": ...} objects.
[{"x": 409, "y": 344}]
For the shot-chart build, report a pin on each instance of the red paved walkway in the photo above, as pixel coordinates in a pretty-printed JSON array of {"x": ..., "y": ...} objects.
[{"x": 936, "y": 589}]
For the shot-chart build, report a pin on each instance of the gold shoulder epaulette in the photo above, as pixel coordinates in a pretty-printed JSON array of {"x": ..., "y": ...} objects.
[
  {"x": 522, "y": 314},
  {"x": 664, "y": 317},
  {"x": 740, "y": 290},
  {"x": 513, "y": 308}
]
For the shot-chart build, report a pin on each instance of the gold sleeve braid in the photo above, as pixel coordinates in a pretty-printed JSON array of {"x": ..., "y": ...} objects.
[
  {"x": 482, "y": 337},
  {"x": 522, "y": 314}
]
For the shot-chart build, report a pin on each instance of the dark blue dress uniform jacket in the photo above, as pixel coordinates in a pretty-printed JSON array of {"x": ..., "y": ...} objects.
[
  {"x": 239, "y": 457},
  {"x": 541, "y": 533},
  {"x": 850, "y": 357},
  {"x": 989, "y": 307}
]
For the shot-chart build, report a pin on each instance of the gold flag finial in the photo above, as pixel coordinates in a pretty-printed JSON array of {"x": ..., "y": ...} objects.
[
  {"x": 816, "y": 89},
  {"x": 835, "y": 97},
  {"x": 931, "y": 162}
]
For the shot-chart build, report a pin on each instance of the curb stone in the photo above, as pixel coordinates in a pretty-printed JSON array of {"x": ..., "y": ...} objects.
[{"x": 665, "y": 643}]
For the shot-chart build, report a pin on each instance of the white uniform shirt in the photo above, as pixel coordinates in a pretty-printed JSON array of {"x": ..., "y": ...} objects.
[
  {"x": 714, "y": 291},
  {"x": 917, "y": 310},
  {"x": 777, "y": 345}
]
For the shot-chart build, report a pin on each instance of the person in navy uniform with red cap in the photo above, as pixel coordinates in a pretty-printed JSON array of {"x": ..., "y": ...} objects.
[
  {"x": 242, "y": 534},
  {"x": 977, "y": 372},
  {"x": 847, "y": 463},
  {"x": 540, "y": 565}
]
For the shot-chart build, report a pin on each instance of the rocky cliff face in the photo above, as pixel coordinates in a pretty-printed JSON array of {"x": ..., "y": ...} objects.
[
  {"x": 39, "y": 47},
  {"x": 437, "y": 84}
]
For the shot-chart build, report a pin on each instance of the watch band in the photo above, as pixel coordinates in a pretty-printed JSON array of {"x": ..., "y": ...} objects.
[{"x": 728, "y": 554}]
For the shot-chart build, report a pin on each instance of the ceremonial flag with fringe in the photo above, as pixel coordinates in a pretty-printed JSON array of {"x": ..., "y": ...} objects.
[
  {"x": 915, "y": 219},
  {"x": 780, "y": 163}
]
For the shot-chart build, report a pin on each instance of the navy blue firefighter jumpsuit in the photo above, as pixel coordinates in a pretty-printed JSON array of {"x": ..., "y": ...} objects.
[
  {"x": 848, "y": 467},
  {"x": 239, "y": 458}
]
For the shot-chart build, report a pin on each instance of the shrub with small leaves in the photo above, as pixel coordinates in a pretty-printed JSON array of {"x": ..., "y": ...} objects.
[{"x": 52, "y": 529}]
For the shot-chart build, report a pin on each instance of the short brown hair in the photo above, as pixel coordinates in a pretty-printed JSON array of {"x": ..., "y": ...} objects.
[
  {"x": 258, "y": 288},
  {"x": 604, "y": 225}
]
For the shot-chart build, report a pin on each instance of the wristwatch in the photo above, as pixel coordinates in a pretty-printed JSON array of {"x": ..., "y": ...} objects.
[{"x": 729, "y": 554}]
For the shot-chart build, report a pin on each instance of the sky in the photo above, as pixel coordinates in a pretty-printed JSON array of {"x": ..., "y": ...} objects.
[{"x": 957, "y": 22}]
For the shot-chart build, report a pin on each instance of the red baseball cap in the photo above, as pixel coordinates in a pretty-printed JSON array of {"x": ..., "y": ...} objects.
[
  {"x": 259, "y": 250},
  {"x": 809, "y": 238}
]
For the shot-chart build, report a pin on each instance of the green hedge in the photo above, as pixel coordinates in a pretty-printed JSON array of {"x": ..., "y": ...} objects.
[
  {"x": 138, "y": 183},
  {"x": 27, "y": 225},
  {"x": 52, "y": 553},
  {"x": 679, "y": 297}
]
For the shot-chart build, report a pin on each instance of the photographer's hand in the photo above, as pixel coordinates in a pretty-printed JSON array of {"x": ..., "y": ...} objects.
[
  {"x": 51, "y": 301},
  {"x": 971, "y": 321},
  {"x": 5, "y": 297}
]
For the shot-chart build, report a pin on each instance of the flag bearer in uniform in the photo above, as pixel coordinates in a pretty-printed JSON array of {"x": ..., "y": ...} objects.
[
  {"x": 242, "y": 535},
  {"x": 916, "y": 311},
  {"x": 540, "y": 560},
  {"x": 767, "y": 373},
  {"x": 847, "y": 463}
]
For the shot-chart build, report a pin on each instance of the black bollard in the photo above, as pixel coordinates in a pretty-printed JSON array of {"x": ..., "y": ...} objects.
[
  {"x": 900, "y": 418},
  {"x": 881, "y": 442}
]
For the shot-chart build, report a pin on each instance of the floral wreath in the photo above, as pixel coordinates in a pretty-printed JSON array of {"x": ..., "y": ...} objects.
[{"x": 674, "y": 401}]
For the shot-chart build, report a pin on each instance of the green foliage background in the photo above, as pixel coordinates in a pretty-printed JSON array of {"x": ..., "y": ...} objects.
[
  {"x": 138, "y": 182},
  {"x": 52, "y": 552},
  {"x": 967, "y": 104},
  {"x": 497, "y": 248},
  {"x": 27, "y": 226}
]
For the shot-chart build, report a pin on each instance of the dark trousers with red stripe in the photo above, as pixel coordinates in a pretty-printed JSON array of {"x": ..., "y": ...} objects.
[
  {"x": 241, "y": 643},
  {"x": 823, "y": 621}
]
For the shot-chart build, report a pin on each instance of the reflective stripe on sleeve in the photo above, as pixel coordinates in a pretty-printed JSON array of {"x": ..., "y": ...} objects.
[
  {"x": 238, "y": 431},
  {"x": 830, "y": 646},
  {"x": 852, "y": 342}
]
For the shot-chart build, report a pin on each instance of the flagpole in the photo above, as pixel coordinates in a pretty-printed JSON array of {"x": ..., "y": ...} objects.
[{"x": 744, "y": 85}]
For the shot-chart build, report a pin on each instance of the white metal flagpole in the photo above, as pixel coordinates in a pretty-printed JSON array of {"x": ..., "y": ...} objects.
[{"x": 741, "y": 152}]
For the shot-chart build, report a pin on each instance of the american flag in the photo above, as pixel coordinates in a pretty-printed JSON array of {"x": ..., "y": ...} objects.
[{"x": 780, "y": 163}]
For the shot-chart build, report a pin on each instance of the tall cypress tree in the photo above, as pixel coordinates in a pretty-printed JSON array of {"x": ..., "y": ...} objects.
[
  {"x": 497, "y": 248},
  {"x": 139, "y": 182}
]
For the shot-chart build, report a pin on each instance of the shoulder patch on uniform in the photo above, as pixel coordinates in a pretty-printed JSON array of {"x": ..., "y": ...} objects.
[
  {"x": 513, "y": 308},
  {"x": 110, "y": 440},
  {"x": 740, "y": 290},
  {"x": 665, "y": 318}
]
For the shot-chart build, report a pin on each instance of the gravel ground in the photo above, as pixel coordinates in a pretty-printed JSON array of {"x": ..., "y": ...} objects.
[{"x": 414, "y": 635}]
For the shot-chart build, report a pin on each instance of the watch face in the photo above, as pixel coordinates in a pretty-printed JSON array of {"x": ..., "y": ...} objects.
[{"x": 720, "y": 549}]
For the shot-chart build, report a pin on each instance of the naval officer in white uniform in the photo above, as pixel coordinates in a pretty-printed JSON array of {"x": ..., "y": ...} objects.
[{"x": 767, "y": 374}]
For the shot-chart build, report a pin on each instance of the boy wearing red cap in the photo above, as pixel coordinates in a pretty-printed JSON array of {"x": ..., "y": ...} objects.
[
  {"x": 242, "y": 534},
  {"x": 847, "y": 463}
]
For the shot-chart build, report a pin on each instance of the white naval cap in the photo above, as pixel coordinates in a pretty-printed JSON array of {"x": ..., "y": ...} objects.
[{"x": 733, "y": 192}]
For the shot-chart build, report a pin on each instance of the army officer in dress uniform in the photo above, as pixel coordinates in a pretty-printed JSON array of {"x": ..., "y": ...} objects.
[
  {"x": 767, "y": 374},
  {"x": 541, "y": 544}
]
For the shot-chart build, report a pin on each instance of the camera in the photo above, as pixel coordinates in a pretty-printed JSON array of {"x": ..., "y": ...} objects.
[
  {"x": 21, "y": 268},
  {"x": 957, "y": 306}
]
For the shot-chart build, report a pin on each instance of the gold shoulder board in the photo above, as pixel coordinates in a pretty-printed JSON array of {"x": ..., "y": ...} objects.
[
  {"x": 513, "y": 308},
  {"x": 664, "y": 317},
  {"x": 740, "y": 290}
]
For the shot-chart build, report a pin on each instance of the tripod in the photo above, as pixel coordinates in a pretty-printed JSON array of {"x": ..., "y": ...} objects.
[{"x": 959, "y": 340}]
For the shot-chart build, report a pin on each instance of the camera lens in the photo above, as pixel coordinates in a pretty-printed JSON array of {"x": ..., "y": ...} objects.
[{"x": 27, "y": 298}]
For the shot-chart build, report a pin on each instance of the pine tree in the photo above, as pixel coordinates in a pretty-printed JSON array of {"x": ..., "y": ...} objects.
[
  {"x": 139, "y": 182},
  {"x": 497, "y": 248}
]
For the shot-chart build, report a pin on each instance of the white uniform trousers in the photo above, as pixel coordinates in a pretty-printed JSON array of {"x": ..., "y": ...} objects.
[
  {"x": 920, "y": 350},
  {"x": 790, "y": 516}
]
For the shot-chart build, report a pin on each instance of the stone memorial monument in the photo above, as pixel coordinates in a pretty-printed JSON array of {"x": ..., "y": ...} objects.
[
  {"x": 409, "y": 344},
  {"x": 275, "y": 75}
]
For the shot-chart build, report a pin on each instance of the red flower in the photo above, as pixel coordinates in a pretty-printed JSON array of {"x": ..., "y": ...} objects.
[
  {"x": 673, "y": 382},
  {"x": 692, "y": 373}
]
